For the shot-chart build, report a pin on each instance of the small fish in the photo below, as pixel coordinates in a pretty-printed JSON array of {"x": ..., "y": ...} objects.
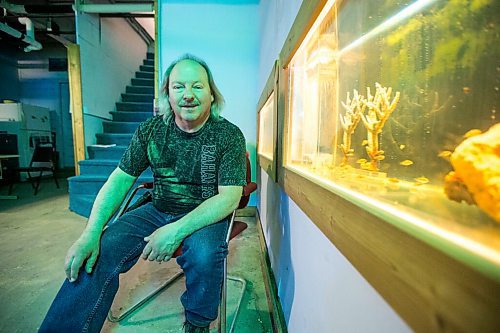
[
  {"x": 365, "y": 166},
  {"x": 422, "y": 180},
  {"x": 406, "y": 163},
  {"x": 472, "y": 132},
  {"x": 364, "y": 142},
  {"x": 393, "y": 180},
  {"x": 361, "y": 161},
  {"x": 393, "y": 187},
  {"x": 402, "y": 147},
  {"x": 445, "y": 154},
  {"x": 466, "y": 90}
]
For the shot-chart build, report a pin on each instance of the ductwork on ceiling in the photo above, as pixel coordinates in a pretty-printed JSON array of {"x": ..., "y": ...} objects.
[
  {"x": 32, "y": 14},
  {"x": 28, "y": 37},
  {"x": 55, "y": 14}
]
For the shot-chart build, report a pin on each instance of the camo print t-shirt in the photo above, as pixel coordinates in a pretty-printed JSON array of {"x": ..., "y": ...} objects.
[{"x": 187, "y": 167}]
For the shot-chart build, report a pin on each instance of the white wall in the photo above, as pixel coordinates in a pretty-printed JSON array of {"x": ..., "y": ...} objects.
[
  {"x": 319, "y": 290},
  {"x": 226, "y": 36},
  {"x": 148, "y": 24},
  {"x": 110, "y": 54}
]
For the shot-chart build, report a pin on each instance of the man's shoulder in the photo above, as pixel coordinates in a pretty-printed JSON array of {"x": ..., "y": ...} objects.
[
  {"x": 227, "y": 126},
  {"x": 151, "y": 123}
]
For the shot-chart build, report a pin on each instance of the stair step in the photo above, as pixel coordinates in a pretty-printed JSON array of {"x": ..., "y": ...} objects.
[
  {"x": 113, "y": 138},
  {"x": 81, "y": 203},
  {"x": 143, "y": 82},
  {"x": 135, "y": 106},
  {"x": 144, "y": 68},
  {"x": 106, "y": 153},
  {"x": 97, "y": 167},
  {"x": 87, "y": 185},
  {"x": 130, "y": 116},
  {"x": 140, "y": 90},
  {"x": 128, "y": 97},
  {"x": 103, "y": 167},
  {"x": 148, "y": 62},
  {"x": 145, "y": 75},
  {"x": 91, "y": 184},
  {"x": 119, "y": 126}
]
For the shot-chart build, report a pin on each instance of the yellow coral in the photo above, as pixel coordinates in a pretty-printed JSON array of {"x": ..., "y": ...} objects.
[{"x": 477, "y": 163}]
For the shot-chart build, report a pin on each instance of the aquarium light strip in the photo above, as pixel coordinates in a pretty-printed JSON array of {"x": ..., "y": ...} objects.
[
  {"x": 386, "y": 212},
  {"x": 314, "y": 27},
  {"x": 409, "y": 11}
]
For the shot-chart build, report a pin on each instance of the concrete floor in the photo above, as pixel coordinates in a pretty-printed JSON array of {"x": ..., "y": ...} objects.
[{"x": 36, "y": 231}]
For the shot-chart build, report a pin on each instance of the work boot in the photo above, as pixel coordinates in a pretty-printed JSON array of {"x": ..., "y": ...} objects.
[{"x": 190, "y": 328}]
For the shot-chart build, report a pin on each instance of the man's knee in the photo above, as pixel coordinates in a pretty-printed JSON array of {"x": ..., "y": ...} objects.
[
  {"x": 116, "y": 249},
  {"x": 206, "y": 258}
]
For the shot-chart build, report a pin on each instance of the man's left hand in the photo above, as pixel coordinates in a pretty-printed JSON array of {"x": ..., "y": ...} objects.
[{"x": 161, "y": 244}]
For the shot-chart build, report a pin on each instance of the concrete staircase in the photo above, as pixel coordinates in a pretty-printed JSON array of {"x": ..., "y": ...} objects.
[{"x": 136, "y": 105}]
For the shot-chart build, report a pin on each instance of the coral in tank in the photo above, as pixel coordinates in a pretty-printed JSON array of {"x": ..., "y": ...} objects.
[
  {"x": 476, "y": 175},
  {"x": 380, "y": 107},
  {"x": 354, "y": 107}
]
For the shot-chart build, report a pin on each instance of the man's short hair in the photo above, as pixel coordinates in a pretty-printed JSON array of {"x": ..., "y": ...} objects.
[{"x": 164, "y": 105}]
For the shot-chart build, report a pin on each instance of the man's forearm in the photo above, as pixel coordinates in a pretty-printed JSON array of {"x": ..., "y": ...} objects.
[
  {"x": 208, "y": 212},
  {"x": 108, "y": 200}
]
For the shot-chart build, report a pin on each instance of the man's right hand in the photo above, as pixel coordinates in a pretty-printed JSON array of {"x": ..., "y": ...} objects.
[{"x": 85, "y": 248}]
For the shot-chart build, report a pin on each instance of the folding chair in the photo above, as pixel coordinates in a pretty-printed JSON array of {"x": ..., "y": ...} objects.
[
  {"x": 235, "y": 228},
  {"x": 43, "y": 160}
]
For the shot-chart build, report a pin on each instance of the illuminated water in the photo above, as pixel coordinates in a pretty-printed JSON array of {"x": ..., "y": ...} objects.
[{"x": 440, "y": 57}]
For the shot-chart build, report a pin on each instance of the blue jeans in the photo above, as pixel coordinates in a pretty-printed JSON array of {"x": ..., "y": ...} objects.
[{"x": 82, "y": 306}]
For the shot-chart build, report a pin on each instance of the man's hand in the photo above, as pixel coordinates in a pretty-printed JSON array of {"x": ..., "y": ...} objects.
[
  {"x": 162, "y": 243},
  {"x": 85, "y": 248}
]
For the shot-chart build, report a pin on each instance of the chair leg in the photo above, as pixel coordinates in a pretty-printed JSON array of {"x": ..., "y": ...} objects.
[
  {"x": 136, "y": 306},
  {"x": 240, "y": 298},
  {"x": 223, "y": 301},
  {"x": 10, "y": 187},
  {"x": 223, "y": 305},
  {"x": 38, "y": 180},
  {"x": 30, "y": 179},
  {"x": 55, "y": 178}
]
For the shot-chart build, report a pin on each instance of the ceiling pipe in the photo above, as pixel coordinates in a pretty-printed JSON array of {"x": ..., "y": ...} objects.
[
  {"x": 19, "y": 9},
  {"x": 29, "y": 26},
  {"x": 113, "y": 8},
  {"x": 30, "y": 35},
  {"x": 38, "y": 9},
  {"x": 32, "y": 43}
]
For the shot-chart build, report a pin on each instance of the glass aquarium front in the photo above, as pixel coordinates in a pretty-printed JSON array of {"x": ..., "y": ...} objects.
[
  {"x": 393, "y": 103},
  {"x": 266, "y": 129}
]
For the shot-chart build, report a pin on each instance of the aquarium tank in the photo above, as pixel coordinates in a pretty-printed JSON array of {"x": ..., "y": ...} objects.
[
  {"x": 395, "y": 103},
  {"x": 266, "y": 129}
]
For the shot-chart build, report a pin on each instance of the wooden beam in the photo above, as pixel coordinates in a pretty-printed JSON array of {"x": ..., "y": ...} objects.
[
  {"x": 283, "y": 89},
  {"x": 76, "y": 104}
]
